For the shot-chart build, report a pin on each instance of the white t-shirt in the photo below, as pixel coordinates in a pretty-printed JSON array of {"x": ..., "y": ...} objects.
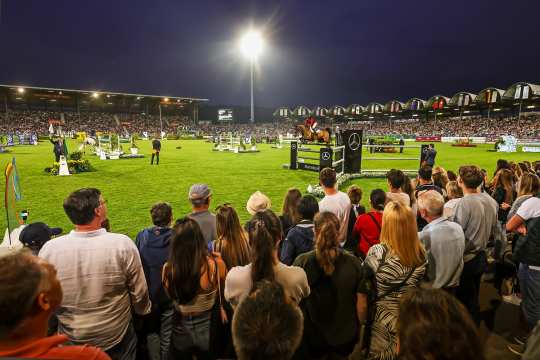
[
  {"x": 340, "y": 205},
  {"x": 529, "y": 209}
]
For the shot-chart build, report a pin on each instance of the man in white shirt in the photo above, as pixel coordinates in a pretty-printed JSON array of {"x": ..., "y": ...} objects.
[
  {"x": 335, "y": 201},
  {"x": 102, "y": 278}
]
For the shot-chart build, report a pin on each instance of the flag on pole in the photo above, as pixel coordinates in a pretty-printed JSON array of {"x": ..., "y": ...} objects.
[
  {"x": 12, "y": 195},
  {"x": 65, "y": 147}
]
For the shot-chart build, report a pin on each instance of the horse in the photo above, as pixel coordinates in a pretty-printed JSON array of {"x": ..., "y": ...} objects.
[{"x": 307, "y": 135}]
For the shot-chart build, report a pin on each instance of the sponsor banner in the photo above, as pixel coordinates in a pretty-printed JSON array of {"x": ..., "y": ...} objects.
[
  {"x": 473, "y": 139},
  {"x": 428, "y": 138},
  {"x": 531, "y": 149}
]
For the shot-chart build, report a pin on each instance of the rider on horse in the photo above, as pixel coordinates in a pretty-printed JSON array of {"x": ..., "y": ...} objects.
[{"x": 311, "y": 123}]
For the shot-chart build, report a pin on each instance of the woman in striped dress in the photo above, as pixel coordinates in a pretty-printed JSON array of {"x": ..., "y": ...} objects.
[{"x": 399, "y": 263}]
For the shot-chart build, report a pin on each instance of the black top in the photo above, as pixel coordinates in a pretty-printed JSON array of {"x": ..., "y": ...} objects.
[
  {"x": 330, "y": 309},
  {"x": 156, "y": 145}
]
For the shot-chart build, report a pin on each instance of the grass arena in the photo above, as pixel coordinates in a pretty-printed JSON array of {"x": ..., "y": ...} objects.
[{"x": 232, "y": 177}]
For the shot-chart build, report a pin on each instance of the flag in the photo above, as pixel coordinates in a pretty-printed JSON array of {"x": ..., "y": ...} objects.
[{"x": 12, "y": 195}]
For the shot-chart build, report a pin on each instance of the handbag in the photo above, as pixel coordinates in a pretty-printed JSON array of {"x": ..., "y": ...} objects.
[{"x": 221, "y": 345}]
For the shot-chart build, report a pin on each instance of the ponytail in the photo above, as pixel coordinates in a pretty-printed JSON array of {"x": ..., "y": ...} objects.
[
  {"x": 326, "y": 242},
  {"x": 264, "y": 235}
]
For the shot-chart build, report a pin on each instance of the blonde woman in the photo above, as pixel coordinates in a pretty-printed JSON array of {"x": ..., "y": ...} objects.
[
  {"x": 399, "y": 263},
  {"x": 455, "y": 194}
]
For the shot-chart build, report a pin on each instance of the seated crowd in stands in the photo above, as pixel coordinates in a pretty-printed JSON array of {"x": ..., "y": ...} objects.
[
  {"x": 329, "y": 278},
  {"x": 32, "y": 121}
]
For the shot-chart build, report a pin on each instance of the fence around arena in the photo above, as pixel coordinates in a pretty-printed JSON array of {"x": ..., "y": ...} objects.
[{"x": 366, "y": 160}]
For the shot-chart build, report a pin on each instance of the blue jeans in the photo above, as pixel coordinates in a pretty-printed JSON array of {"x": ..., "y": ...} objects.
[
  {"x": 158, "y": 342},
  {"x": 125, "y": 349},
  {"x": 529, "y": 283},
  {"x": 190, "y": 337}
]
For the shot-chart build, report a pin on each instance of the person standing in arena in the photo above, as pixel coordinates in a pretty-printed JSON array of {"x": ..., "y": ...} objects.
[
  {"x": 156, "y": 148},
  {"x": 58, "y": 148}
]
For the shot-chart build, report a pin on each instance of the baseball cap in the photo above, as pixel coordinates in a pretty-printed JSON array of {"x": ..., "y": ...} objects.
[
  {"x": 38, "y": 233},
  {"x": 199, "y": 192}
]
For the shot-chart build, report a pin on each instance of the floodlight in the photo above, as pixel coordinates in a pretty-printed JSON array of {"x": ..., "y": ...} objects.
[
  {"x": 95, "y": 95},
  {"x": 166, "y": 99},
  {"x": 251, "y": 44},
  {"x": 20, "y": 90}
]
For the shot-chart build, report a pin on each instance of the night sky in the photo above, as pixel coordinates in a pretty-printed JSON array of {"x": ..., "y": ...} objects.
[{"x": 317, "y": 52}]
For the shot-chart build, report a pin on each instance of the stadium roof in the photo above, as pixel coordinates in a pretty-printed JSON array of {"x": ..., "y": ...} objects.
[{"x": 21, "y": 89}]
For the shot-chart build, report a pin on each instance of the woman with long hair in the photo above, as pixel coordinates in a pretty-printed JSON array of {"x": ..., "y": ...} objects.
[
  {"x": 503, "y": 192},
  {"x": 433, "y": 324},
  {"x": 410, "y": 189},
  {"x": 528, "y": 186},
  {"x": 289, "y": 213},
  {"x": 232, "y": 240},
  {"x": 191, "y": 278},
  {"x": 334, "y": 276},
  {"x": 398, "y": 263},
  {"x": 440, "y": 179},
  {"x": 454, "y": 194},
  {"x": 265, "y": 234}
]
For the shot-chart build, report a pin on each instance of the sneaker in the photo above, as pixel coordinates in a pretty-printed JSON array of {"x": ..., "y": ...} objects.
[
  {"x": 521, "y": 340},
  {"x": 516, "y": 349}
]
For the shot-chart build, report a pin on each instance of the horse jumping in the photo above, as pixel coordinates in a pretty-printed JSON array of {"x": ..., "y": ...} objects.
[{"x": 306, "y": 135}]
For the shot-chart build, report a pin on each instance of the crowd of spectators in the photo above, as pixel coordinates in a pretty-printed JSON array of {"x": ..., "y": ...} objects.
[
  {"x": 527, "y": 127},
  {"x": 325, "y": 278}
]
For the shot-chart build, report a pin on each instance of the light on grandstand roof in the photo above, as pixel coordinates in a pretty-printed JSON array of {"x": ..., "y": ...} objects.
[
  {"x": 95, "y": 95},
  {"x": 166, "y": 99},
  {"x": 138, "y": 98},
  {"x": 60, "y": 93},
  {"x": 466, "y": 112},
  {"x": 251, "y": 44},
  {"x": 415, "y": 115},
  {"x": 20, "y": 90},
  {"x": 108, "y": 96},
  {"x": 497, "y": 109},
  {"x": 530, "y": 107}
]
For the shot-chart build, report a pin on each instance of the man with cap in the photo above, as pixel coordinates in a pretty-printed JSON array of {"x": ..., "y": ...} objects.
[
  {"x": 199, "y": 197},
  {"x": 35, "y": 235}
]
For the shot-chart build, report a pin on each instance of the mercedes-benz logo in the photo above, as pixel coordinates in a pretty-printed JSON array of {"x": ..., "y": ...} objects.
[
  {"x": 354, "y": 141},
  {"x": 293, "y": 145},
  {"x": 325, "y": 156}
]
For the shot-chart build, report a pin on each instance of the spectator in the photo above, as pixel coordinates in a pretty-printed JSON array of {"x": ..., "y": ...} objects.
[
  {"x": 368, "y": 226},
  {"x": 477, "y": 214},
  {"x": 289, "y": 214},
  {"x": 355, "y": 195},
  {"x": 395, "y": 179},
  {"x": 108, "y": 267},
  {"x": 527, "y": 252},
  {"x": 232, "y": 240},
  {"x": 191, "y": 278},
  {"x": 335, "y": 201},
  {"x": 154, "y": 244},
  {"x": 35, "y": 235},
  {"x": 528, "y": 186},
  {"x": 451, "y": 175},
  {"x": 300, "y": 238},
  {"x": 454, "y": 194},
  {"x": 440, "y": 180},
  {"x": 503, "y": 193},
  {"x": 399, "y": 263},
  {"x": 409, "y": 188},
  {"x": 267, "y": 325},
  {"x": 264, "y": 235},
  {"x": 425, "y": 183},
  {"x": 434, "y": 325},
  {"x": 430, "y": 153},
  {"x": 258, "y": 202},
  {"x": 334, "y": 276},
  {"x": 443, "y": 241},
  {"x": 29, "y": 294},
  {"x": 200, "y": 196}
]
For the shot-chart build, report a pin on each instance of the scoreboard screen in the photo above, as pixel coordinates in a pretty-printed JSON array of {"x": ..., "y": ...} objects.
[{"x": 225, "y": 115}]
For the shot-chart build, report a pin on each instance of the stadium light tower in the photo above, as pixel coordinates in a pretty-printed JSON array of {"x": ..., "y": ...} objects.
[{"x": 251, "y": 45}]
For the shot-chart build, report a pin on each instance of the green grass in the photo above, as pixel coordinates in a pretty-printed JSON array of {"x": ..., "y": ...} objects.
[{"x": 132, "y": 186}]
